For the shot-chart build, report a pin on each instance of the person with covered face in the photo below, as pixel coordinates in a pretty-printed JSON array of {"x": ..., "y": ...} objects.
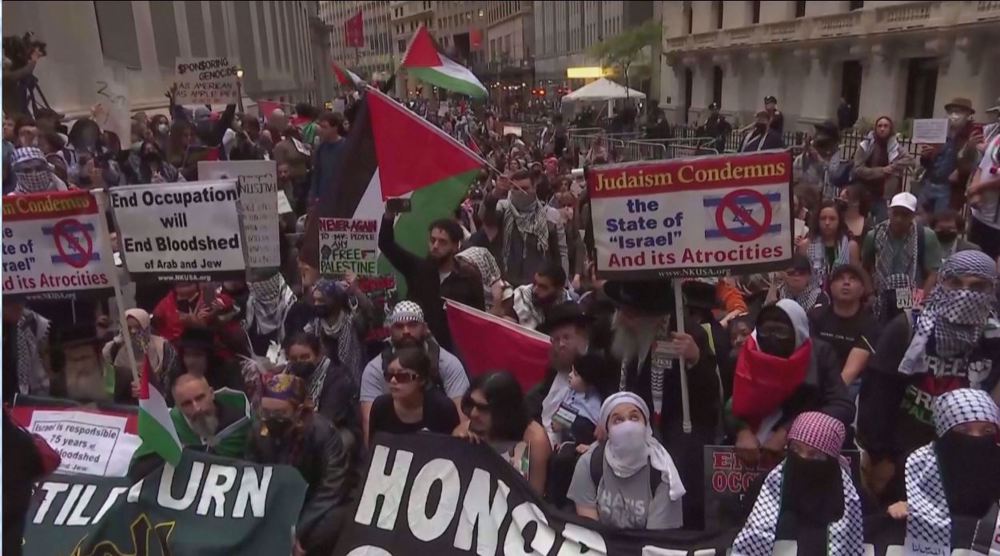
[
  {"x": 879, "y": 164},
  {"x": 948, "y": 166},
  {"x": 408, "y": 328},
  {"x": 952, "y": 342},
  {"x": 289, "y": 432},
  {"x": 530, "y": 239},
  {"x": 334, "y": 325},
  {"x": 437, "y": 275},
  {"x": 821, "y": 164},
  {"x": 162, "y": 358},
  {"x": 954, "y": 476},
  {"x": 630, "y": 480},
  {"x": 810, "y": 497},
  {"x": 647, "y": 348},
  {"x": 261, "y": 308},
  {"x": 780, "y": 373},
  {"x": 32, "y": 173}
]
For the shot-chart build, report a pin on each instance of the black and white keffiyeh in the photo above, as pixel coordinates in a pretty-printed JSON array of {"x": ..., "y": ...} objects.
[
  {"x": 268, "y": 305},
  {"x": 885, "y": 256},
  {"x": 32, "y": 332},
  {"x": 955, "y": 318},
  {"x": 928, "y": 526},
  {"x": 531, "y": 223},
  {"x": 758, "y": 535}
]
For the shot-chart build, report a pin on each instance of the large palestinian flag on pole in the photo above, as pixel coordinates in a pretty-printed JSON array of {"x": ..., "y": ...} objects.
[
  {"x": 346, "y": 77},
  {"x": 156, "y": 427},
  {"x": 391, "y": 152},
  {"x": 423, "y": 60}
]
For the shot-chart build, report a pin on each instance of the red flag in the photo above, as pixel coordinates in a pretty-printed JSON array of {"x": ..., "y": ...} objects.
[
  {"x": 265, "y": 107},
  {"x": 354, "y": 31},
  {"x": 476, "y": 39},
  {"x": 487, "y": 342}
]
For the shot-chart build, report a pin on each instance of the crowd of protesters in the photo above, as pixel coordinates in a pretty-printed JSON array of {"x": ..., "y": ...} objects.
[{"x": 882, "y": 333}]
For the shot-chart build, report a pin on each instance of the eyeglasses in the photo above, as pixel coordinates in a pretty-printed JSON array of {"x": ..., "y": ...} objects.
[
  {"x": 469, "y": 404},
  {"x": 400, "y": 378}
]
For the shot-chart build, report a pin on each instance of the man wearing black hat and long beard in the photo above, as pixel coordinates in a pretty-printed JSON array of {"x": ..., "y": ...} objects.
[{"x": 648, "y": 350}]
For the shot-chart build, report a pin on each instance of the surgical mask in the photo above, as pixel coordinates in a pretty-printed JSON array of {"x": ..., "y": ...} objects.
[
  {"x": 957, "y": 119},
  {"x": 965, "y": 307},
  {"x": 162, "y": 129},
  {"x": 278, "y": 426},
  {"x": 522, "y": 200},
  {"x": 628, "y": 437}
]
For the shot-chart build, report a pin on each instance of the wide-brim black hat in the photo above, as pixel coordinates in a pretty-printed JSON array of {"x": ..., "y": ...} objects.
[
  {"x": 648, "y": 296},
  {"x": 197, "y": 338},
  {"x": 563, "y": 314},
  {"x": 700, "y": 295}
]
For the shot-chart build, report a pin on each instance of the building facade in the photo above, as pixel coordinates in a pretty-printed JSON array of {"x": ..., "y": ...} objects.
[
  {"x": 407, "y": 16},
  {"x": 564, "y": 31},
  {"x": 374, "y": 61},
  {"x": 135, "y": 45},
  {"x": 508, "y": 66},
  {"x": 901, "y": 59}
]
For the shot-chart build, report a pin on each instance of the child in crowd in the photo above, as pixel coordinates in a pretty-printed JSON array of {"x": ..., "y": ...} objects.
[{"x": 576, "y": 419}]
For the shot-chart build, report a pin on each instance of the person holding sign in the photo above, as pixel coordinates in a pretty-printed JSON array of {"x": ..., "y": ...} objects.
[
  {"x": 810, "y": 497},
  {"x": 903, "y": 257},
  {"x": 949, "y": 165},
  {"x": 956, "y": 475}
]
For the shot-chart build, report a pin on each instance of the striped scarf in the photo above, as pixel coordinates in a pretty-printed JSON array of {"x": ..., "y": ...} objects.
[
  {"x": 533, "y": 222},
  {"x": 32, "y": 330},
  {"x": 821, "y": 266},
  {"x": 885, "y": 254}
]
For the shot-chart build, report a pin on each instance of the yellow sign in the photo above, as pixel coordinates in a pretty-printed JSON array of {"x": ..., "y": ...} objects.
[{"x": 585, "y": 72}]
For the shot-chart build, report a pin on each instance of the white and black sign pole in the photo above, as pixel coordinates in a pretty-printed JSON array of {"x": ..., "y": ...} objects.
[{"x": 685, "y": 399}]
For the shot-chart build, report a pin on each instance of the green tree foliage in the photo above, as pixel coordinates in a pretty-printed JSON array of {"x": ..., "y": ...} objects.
[{"x": 627, "y": 48}]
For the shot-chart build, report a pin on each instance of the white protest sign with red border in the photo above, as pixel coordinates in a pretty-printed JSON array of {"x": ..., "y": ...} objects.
[
  {"x": 703, "y": 216},
  {"x": 55, "y": 243}
]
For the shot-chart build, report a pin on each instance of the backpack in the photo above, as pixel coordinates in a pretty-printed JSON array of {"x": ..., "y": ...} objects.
[{"x": 597, "y": 470}]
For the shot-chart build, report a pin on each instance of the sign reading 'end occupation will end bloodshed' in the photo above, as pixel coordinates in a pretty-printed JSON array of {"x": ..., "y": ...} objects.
[
  {"x": 692, "y": 217},
  {"x": 55, "y": 244},
  {"x": 180, "y": 233}
]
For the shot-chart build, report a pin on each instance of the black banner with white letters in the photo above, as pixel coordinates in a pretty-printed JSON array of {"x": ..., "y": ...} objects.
[{"x": 432, "y": 494}]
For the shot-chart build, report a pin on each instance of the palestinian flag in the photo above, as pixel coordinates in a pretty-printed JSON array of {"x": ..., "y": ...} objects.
[
  {"x": 392, "y": 152},
  {"x": 423, "y": 60},
  {"x": 156, "y": 428},
  {"x": 524, "y": 352},
  {"x": 346, "y": 77}
]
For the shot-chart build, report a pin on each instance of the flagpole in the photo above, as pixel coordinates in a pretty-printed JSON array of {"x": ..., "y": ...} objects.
[
  {"x": 685, "y": 398},
  {"x": 119, "y": 297}
]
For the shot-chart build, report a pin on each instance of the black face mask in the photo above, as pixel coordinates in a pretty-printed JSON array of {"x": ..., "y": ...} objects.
[
  {"x": 322, "y": 311},
  {"x": 302, "y": 368},
  {"x": 969, "y": 472},
  {"x": 812, "y": 489},
  {"x": 947, "y": 237},
  {"x": 776, "y": 346},
  {"x": 278, "y": 427}
]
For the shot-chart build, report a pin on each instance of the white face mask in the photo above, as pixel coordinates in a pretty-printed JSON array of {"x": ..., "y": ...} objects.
[
  {"x": 627, "y": 451},
  {"x": 163, "y": 129},
  {"x": 957, "y": 119}
]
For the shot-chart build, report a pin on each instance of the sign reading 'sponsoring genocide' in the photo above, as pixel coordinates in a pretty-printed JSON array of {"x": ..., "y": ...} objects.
[
  {"x": 692, "y": 217},
  {"x": 208, "y": 505},
  {"x": 180, "y": 232},
  {"x": 434, "y": 494},
  {"x": 54, "y": 245},
  {"x": 258, "y": 185},
  {"x": 206, "y": 81}
]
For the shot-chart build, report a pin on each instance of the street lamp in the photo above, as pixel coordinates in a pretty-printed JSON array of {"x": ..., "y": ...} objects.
[{"x": 239, "y": 88}]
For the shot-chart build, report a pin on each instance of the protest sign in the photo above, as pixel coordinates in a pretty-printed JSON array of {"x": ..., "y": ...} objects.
[
  {"x": 55, "y": 245},
  {"x": 88, "y": 443},
  {"x": 512, "y": 130},
  {"x": 930, "y": 131},
  {"x": 206, "y": 81},
  {"x": 208, "y": 505},
  {"x": 258, "y": 186},
  {"x": 440, "y": 495},
  {"x": 180, "y": 232},
  {"x": 692, "y": 217},
  {"x": 112, "y": 112},
  {"x": 348, "y": 245}
]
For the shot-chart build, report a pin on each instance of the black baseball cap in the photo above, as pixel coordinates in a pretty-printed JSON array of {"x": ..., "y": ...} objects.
[
  {"x": 770, "y": 98},
  {"x": 800, "y": 263}
]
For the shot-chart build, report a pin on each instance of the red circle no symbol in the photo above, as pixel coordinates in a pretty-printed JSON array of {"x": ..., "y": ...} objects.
[
  {"x": 72, "y": 251},
  {"x": 753, "y": 228}
]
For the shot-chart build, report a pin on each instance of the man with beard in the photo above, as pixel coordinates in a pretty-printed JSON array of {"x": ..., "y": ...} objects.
[
  {"x": 531, "y": 301},
  {"x": 214, "y": 422},
  {"x": 879, "y": 163},
  {"x": 954, "y": 476},
  {"x": 648, "y": 347},
  {"x": 946, "y": 225},
  {"x": 530, "y": 239},
  {"x": 438, "y": 275},
  {"x": 952, "y": 342},
  {"x": 809, "y": 498},
  {"x": 408, "y": 328},
  {"x": 85, "y": 376},
  {"x": 290, "y": 433}
]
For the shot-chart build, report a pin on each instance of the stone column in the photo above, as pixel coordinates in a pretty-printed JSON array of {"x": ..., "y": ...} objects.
[
  {"x": 883, "y": 84},
  {"x": 818, "y": 88}
]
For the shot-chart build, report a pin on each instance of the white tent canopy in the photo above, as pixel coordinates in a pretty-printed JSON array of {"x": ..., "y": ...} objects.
[{"x": 603, "y": 89}]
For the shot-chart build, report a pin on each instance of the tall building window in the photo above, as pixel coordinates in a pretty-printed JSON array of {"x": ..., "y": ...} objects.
[
  {"x": 717, "y": 84},
  {"x": 800, "y": 8},
  {"x": 718, "y": 14},
  {"x": 850, "y": 84},
  {"x": 921, "y": 87},
  {"x": 754, "y": 12},
  {"x": 855, "y": 5},
  {"x": 689, "y": 15}
]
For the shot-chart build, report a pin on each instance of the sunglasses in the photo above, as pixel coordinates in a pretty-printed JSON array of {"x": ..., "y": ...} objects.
[
  {"x": 469, "y": 404},
  {"x": 400, "y": 378}
]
